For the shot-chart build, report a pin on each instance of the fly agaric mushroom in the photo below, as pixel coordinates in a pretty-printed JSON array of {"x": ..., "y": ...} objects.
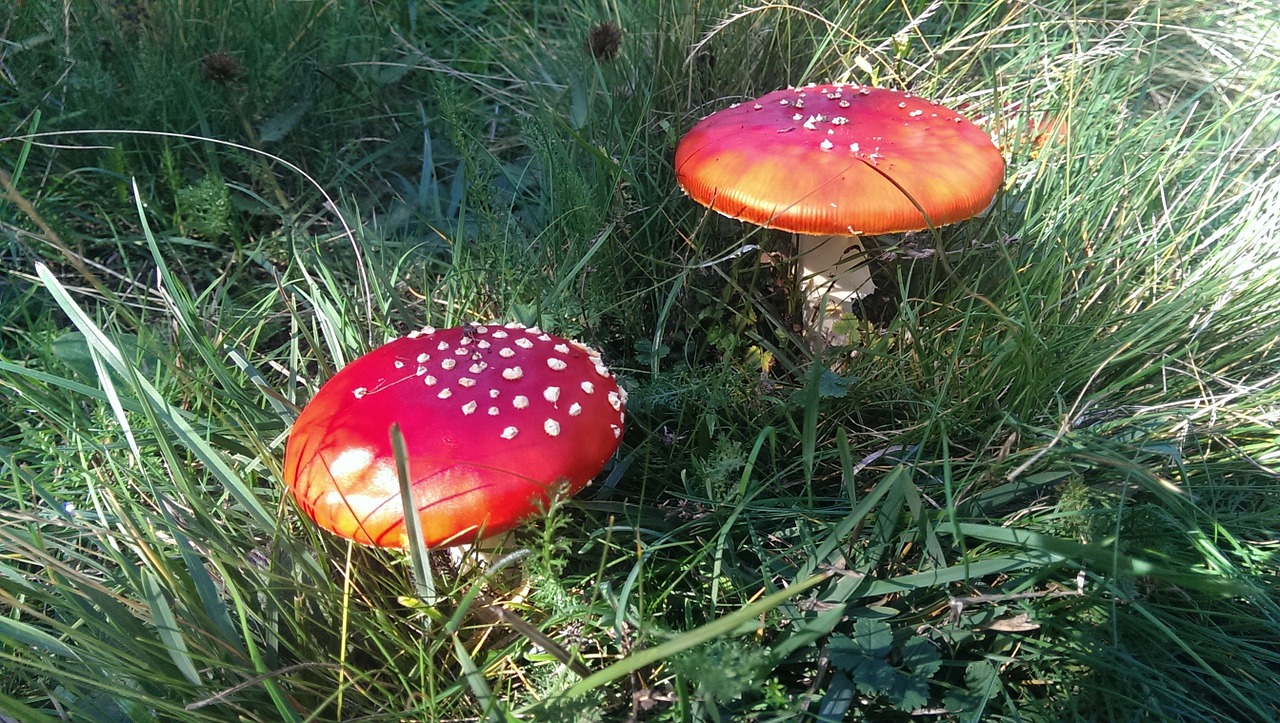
[
  {"x": 494, "y": 419},
  {"x": 834, "y": 162}
]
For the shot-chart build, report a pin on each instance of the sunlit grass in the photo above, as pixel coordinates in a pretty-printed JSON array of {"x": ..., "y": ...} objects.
[{"x": 1045, "y": 484}]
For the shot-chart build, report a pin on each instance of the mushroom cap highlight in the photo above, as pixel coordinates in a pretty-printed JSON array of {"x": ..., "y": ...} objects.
[
  {"x": 495, "y": 419},
  {"x": 840, "y": 159}
]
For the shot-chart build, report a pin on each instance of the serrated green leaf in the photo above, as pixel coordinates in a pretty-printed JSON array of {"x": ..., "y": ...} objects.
[
  {"x": 909, "y": 692},
  {"x": 875, "y": 676},
  {"x": 831, "y": 384},
  {"x": 844, "y": 653},
  {"x": 875, "y": 637},
  {"x": 981, "y": 680},
  {"x": 921, "y": 657}
]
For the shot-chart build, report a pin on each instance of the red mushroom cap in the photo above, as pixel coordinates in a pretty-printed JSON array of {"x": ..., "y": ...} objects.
[
  {"x": 841, "y": 160},
  {"x": 494, "y": 418}
]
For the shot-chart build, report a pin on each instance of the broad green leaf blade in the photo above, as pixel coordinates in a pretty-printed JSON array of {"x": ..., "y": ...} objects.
[
  {"x": 1098, "y": 557},
  {"x": 167, "y": 626},
  {"x": 475, "y": 680},
  {"x": 22, "y": 633},
  {"x": 419, "y": 557}
]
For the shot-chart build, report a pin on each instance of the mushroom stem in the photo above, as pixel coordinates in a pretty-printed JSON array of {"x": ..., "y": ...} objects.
[{"x": 834, "y": 269}]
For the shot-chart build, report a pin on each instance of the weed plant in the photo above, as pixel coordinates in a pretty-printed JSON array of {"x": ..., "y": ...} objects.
[{"x": 1041, "y": 481}]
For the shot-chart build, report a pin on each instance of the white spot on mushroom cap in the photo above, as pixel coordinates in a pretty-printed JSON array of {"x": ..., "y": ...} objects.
[
  {"x": 506, "y": 352},
  {"x": 493, "y": 411},
  {"x": 469, "y": 408},
  {"x": 499, "y": 334},
  {"x": 448, "y": 364},
  {"x": 466, "y": 382},
  {"x": 575, "y": 409},
  {"x": 520, "y": 402},
  {"x": 442, "y": 346},
  {"x": 510, "y": 433},
  {"x": 478, "y": 367},
  {"x": 557, "y": 365},
  {"x": 399, "y": 364},
  {"x": 512, "y": 373},
  {"x": 561, "y": 348},
  {"x": 445, "y": 393},
  {"x": 615, "y": 401},
  {"x": 359, "y": 392},
  {"x": 551, "y": 394},
  {"x": 429, "y": 380},
  {"x": 524, "y": 343},
  {"x": 552, "y": 427},
  {"x": 588, "y": 387}
]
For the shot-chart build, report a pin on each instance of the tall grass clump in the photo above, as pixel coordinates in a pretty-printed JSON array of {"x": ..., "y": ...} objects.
[{"x": 1037, "y": 479}]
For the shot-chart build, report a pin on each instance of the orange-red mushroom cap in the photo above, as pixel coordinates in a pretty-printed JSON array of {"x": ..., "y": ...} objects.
[
  {"x": 841, "y": 160},
  {"x": 495, "y": 420}
]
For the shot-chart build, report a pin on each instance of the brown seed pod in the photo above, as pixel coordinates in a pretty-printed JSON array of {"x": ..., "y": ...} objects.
[{"x": 603, "y": 42}]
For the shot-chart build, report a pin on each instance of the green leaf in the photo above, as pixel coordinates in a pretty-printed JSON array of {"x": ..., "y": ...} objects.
[
  {"x": 72, "y": 349},
  {"x": 578, "y": 105},
  {"x": 981, "y": 681},
  {"x": 18, "y": 633},
  {"x": 831, "y": 384},
  {"x": 921, "y": 657},
  {"x": 167, "y": 626},
  {"x": 280, "y": 125},
  {"x": 1099, "y": 557},
  {"x": 909, "y": 692}
]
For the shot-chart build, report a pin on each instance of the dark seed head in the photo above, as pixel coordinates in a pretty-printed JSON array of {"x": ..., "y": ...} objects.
[
  {"x": 221, "y": 68},
  {"x": 603, "y": 41}
]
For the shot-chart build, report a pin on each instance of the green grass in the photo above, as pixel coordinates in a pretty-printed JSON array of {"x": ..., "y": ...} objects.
[{"x": 1042, "y": 482}]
